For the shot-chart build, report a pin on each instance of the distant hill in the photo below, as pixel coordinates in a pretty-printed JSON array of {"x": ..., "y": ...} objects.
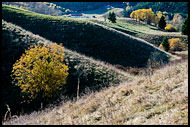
[
  {"x": 97, "y": 41},
  {"x": 38, "y": 7},
  {"x": 170, "y": 7},
  {"x": 95, "y": 75},
  {"x": 87, "y": 6}
]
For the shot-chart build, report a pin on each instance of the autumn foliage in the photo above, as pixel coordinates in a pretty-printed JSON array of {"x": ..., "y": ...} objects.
[
  {"x": 40, "y": 72},
  {"x": 144, "y": 15},
  {"x": 170, "y": 28},
  {"x": 175, "y": 44}
]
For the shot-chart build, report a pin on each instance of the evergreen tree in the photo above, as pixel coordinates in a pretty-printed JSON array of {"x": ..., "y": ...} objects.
[
  {"x": 184, "y": 28},
  {"x": 162, "y": 22},
  {"x": 112, "y": 17},
  {"x": 165, "y": 44}
]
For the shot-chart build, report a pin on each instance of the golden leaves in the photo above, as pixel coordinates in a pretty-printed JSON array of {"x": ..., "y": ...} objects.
[
  {"x": 41, "y": 70},
  {"x": 170, "y": 27},
  {"x": 175, "y": 44},
  {"x": 142, "y": 14}
]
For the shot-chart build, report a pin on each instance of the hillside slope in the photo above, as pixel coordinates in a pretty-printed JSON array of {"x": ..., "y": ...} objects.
[
  {"x": 159, "y": 99},
  {"x": 38, "y": 7},
  {"x": 91, "y": 39},
  {"x": 146, "y": 32},
  {"x": 96, "y": 75}
]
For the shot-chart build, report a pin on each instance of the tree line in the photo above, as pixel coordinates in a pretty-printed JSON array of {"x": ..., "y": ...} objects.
[
  {"x": 38, "y": 7},
  {"x": 170, "y": 7}
]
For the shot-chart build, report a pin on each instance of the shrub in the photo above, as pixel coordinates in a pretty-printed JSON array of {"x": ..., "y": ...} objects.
[
  {"x": 170, "y": 28},
  {"x": 176, "y": 44},
  {"x": 162, "y": 22},
  {"x": 184, "y": 28},
  {"x": 165, "y": 44},
  {"x": 112, "y": 17},
  {"x": 40, "y": 72}
]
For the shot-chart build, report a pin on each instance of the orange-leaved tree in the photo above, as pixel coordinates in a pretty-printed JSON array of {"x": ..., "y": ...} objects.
[{"x": 40, "y": 72}]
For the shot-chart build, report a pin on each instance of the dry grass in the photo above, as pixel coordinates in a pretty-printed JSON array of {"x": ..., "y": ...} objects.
[{"x": 159, "y": 99}]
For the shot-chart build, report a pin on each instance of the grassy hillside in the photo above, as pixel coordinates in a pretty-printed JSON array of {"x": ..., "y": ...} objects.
[
  {"x": 149, "y": 33},
  {"x": 95, "y": 75},
  {"x": 97, "y": 41},
  {"x": 161, "y": 99}
]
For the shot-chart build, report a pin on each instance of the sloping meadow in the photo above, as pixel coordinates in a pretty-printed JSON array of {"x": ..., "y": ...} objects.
[
  {"x": 94, "y": 40},
  {"x": 93, "y": 75}
]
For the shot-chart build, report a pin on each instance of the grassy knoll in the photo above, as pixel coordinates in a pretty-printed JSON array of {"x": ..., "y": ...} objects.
[
  {"x": 149, "y": 33},
  {"x": 161, "y": 99},
  {"x": 97, "y": 41},
  {"x": 95, "y": 75}
]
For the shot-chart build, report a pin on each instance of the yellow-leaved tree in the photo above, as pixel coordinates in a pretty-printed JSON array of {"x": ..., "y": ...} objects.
[
  {"x": 40, "y": 72},
  {"x": 144, "y": 15}
]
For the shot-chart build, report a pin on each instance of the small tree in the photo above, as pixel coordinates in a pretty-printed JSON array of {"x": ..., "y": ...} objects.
[
  {"x": 112, "y": 17},
  {"x": 162, "y": 22},
  {"x": 184, "y": 28},
  {"x": 165, "y": 44},
  {"x": 40, "y": 72}
]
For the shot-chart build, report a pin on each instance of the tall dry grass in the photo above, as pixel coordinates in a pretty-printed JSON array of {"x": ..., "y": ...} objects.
[{"x": 159, "y": 99}]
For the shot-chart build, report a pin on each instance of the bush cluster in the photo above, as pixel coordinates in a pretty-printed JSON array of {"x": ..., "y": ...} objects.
[
  {"x": 176, "y": 44},
  {"x": 170, "y": 28},
  {"x": 173, "y": 44}
]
